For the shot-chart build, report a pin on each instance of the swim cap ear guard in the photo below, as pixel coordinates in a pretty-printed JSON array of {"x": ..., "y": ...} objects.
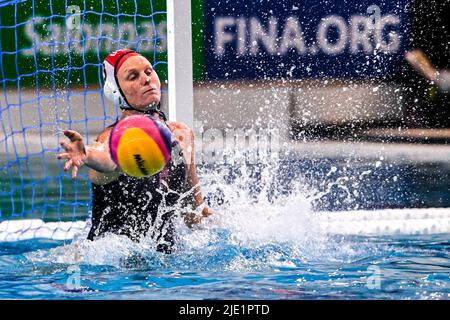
[{"x": 110, "y": 89}]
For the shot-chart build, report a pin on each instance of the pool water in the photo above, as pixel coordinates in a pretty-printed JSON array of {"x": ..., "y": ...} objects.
[
  {"x": 264, "y": 242},
  {"x": 414, "y": 267}
]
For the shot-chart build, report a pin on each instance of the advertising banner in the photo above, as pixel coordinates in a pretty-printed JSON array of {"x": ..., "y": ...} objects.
[{"x": 282, "y": 39}]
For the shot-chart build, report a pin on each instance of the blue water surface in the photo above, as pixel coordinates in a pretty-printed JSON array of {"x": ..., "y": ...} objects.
[
  {"x": 269, "y": 247},
  {"x": 412, "y": 267}
]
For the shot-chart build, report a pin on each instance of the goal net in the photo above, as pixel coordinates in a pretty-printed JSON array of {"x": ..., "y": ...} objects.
[{"x": 51, "y": 77}]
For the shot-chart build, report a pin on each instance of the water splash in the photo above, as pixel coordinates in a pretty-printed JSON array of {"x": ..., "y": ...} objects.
[{"x": 256, "y": 227}]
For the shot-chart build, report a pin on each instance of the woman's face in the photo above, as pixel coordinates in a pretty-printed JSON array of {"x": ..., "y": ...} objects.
[{"x": 139, "y": 82}]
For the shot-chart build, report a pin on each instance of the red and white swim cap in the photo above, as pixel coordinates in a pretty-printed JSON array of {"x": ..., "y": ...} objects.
[{"x": 111, "y": 66}]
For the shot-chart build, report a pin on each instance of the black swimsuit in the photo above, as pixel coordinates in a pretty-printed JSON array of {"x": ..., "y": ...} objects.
[{"x": 139, "y": 207}]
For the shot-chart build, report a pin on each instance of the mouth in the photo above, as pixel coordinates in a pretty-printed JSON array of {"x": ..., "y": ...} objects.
[{"x": 150, "y": 90}]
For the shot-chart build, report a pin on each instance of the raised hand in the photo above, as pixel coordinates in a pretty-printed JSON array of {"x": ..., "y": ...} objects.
[
  {"x": 75, "y": 152},
  {"x": 185, "y": 137}
]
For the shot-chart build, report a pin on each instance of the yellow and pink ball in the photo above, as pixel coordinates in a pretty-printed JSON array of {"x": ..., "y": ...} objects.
[{"x": 140, "y": 145}]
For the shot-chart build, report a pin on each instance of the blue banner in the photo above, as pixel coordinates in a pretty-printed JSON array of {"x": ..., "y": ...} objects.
[{"x": 284, "y": 39}]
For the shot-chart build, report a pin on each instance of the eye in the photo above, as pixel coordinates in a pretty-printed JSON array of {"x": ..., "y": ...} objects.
[
  {"x": 148, "y": 72},
  {"x": 132, "y": 76}
]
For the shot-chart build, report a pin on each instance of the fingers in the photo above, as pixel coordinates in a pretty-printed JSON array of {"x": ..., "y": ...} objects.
[
  {"x": 177, "y": 124},
  {"x": 64, "y": 155},
  {"x": 75, "y": 165},
  {"x": 72, "y": 135},
  {"x": 68, "y": 164},
  {"x": 65, "y": 145},
  {"x": 206, "y": 212},
  {"x": 74, "y": 160},
  {"x": 74, "y": 172},
  {"x": 69, "y": 134}
]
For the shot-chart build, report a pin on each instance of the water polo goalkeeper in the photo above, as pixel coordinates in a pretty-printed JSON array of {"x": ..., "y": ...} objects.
[{"x": 122, "y": 204}]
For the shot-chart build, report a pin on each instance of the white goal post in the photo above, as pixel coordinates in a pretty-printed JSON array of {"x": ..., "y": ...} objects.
[{"x": 180, "y": 81}]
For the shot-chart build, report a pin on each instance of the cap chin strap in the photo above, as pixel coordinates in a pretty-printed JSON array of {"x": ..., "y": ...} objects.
[{"x": 150, "y": 110}]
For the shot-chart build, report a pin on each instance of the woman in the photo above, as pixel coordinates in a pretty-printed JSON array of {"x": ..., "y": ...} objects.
[{"x": 137, "y": 207}]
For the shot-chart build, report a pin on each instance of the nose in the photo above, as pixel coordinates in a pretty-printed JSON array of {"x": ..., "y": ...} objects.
[{"x": 147, "y": 79}]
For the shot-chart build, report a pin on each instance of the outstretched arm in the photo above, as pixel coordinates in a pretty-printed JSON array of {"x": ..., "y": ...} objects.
[{"x": 95, "y": 156}]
